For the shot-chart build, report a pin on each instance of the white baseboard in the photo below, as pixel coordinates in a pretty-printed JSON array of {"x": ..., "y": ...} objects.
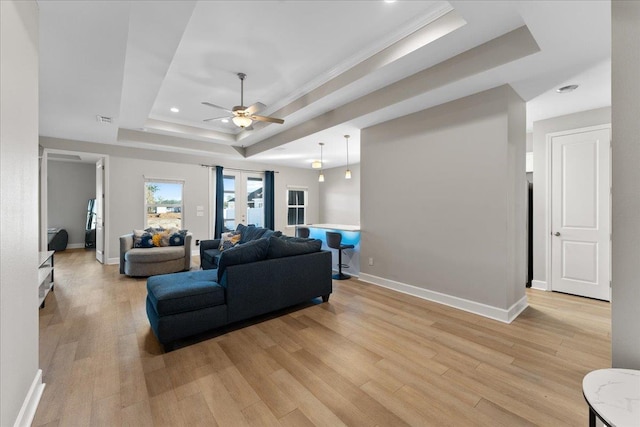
[
  {"x": 540, "y": 285},
  {"x": 30, "y": 404},
  {"x": 112, "y": 261},
  {"x": 500, "y": 314},
  {"x": 75, "y": 246}
]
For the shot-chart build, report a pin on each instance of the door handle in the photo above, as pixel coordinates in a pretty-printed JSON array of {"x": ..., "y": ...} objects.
[{"x": 557, "y": 233}]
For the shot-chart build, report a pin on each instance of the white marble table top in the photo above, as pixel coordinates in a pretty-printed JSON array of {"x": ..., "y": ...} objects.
[{"x": 614, "y": 394}]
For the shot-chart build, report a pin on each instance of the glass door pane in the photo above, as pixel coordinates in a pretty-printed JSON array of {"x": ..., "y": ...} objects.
[
  {"x": 255, "y": 200},
  {"x": 229, "y": 210}
]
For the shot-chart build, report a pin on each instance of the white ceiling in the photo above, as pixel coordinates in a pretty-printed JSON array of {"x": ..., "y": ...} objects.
[{"x": 322, "y": 66}]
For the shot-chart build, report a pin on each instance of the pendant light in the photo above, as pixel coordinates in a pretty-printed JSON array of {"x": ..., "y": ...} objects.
[
  {"x": 321, "y": 176},
  {"x": 347, "y": 174}
]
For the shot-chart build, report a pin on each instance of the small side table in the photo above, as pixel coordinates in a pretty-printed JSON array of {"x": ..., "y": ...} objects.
[{"x": 613, "y": 395}]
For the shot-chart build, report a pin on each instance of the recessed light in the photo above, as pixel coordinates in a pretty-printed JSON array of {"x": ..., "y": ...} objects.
[
  {"x": 175, "y": 109},
  {"x": 225, "y": 120},
  {"x": 389, "y": 1},
  {"x": 567, "y": 89}
]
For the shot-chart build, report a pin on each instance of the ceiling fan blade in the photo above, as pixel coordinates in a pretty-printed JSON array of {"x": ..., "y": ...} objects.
[
  {"x": 267, "y": 119},
  {"x": 216, "y": 118},
  {"x": 258, "y": 106},
  {"x": 217, "y": 106}
]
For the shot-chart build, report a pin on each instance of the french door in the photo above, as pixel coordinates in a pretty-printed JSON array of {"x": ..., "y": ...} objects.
[{"x": 243, "y": 199}]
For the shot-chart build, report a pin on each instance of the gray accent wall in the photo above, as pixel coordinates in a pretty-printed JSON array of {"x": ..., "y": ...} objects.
[
  {"x": 70, "y": 185},
  {"x": 340, "y": 197},
  {"x": 541, "y": 128},
  {"x": 443, "y": 199},
  {"x": 19, "y": 207},
  {"x": 625, "y": 69}
]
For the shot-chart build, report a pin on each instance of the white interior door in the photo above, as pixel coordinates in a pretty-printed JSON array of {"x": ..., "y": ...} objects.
[
  {"x": 100, "y": 210},
  {"x": 243, "y": 199},
  {"x": 580, "y": 213}
]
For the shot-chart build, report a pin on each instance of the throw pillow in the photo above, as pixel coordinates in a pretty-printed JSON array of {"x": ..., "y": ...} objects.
[
  {"x": 146, "y": 241},
  {"x": 229, "y": 240},
  {"x": 137, "y": 238},
  {"x": 161, "y": 239},
  {"x": 253, "y": 251},
  {"x": 280, "y": 248},
  {"x": 176, "y": 239}
]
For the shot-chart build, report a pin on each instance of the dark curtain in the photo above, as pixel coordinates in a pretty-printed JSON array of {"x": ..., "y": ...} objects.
[
  {"x": 219, "y": 203},
  {"x": 269, "y": 212}
]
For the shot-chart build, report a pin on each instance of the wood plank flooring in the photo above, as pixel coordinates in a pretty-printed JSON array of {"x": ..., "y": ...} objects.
[{"x": 368, "y": 357}]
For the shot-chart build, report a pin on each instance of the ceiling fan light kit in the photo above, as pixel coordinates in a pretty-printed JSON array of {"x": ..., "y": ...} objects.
[{"x": 242, "y": 116}]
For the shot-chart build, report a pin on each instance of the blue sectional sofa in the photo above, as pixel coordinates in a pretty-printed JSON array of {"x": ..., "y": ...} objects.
[{"x": 255, "y": 278}]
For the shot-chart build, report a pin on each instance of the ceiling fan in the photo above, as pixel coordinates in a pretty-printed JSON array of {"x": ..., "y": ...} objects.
[{"x": 242, "y": 116}]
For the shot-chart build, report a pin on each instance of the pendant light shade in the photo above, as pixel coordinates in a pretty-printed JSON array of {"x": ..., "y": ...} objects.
[
  {"x": 347, "y": 174},
  {"x": 321, "y": 176}
]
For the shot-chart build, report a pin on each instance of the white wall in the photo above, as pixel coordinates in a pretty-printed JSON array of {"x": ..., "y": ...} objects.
[
  {"x": 442, "y": 201},
  {"x": 18, "y": 206},
  {"x": 70, "y": 185},
  {"x": 625, "y": 301},
  {"x": 340, "y": 197},
  {"x": 128, "y": 166},
  {"x": 540, "y": 179}
]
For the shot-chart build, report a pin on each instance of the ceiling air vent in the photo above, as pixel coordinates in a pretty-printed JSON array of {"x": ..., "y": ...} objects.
[{"x": 103, "y": 119}]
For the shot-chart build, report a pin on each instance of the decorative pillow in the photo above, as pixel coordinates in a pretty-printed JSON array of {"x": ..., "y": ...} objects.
[
  {"x": 176, "y": 239},
  {"x": 161, "y": 239},
  {"x": 146, "y": 241},
  {"x": 280, "y": 248},
  {"x": 137, "y": 238},
  {"x": 253, "y": 251},
  {"x": 229, "y": 240},
  {"x": 174, "y": 230}
]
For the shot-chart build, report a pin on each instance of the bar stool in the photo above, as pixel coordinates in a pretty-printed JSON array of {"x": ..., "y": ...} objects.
[
  {"x": 334, "y": 241},
  {"x": 302, "y": 232}
]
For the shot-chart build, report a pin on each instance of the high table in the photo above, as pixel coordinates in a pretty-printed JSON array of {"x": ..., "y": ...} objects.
[
  {"x": 350, "y": 236},
  {"x": 613, "y": 395}
]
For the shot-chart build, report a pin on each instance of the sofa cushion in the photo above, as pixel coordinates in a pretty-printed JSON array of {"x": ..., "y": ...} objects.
[
  {"x": 142, "y": 255},
  {"x": 280, "y": 248},
  {"x": 211, "y": 256},
  {"x": 251, "y": 232},
  {"x": 253, "y": 251},
  {"x": 181, "y": 292}
]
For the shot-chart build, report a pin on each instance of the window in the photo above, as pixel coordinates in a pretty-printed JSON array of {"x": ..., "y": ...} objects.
[
  {"x": 296, "y": 206},
  {"x": 163, "y": 204}
]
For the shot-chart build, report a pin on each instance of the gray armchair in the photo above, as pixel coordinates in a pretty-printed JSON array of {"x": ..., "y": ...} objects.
[{"x": 153, "y": 261}]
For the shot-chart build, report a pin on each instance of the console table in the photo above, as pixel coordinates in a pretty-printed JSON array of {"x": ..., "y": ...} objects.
[
  {"x": 45, "y": 275},
  {"x": 613, "y": 395}
]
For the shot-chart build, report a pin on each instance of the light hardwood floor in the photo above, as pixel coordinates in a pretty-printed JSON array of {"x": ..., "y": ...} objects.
[{"x": 369, "y": 356}]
